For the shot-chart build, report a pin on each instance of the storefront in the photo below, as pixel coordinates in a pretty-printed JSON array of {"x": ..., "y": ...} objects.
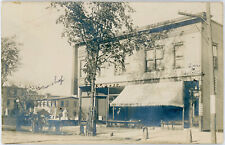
[
  {"x": 151, "y": 102},
  {"x": 104, "y": 96}
]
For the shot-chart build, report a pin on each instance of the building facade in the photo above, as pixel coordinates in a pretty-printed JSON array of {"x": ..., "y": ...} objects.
[
  {"x": 160, "y": 79},
  {"x": 16, "y": 99},
  {"x": 9, "y": 96},
  {"x": 59, "y": 107}
]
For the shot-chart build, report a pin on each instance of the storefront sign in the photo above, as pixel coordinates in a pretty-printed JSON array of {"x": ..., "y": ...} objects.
[{"x": 106, "y": 85}]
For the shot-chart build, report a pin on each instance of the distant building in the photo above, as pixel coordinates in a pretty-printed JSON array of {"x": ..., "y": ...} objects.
[
  {"x": 12, "y": 98},
  {"x": 59, "y": 107},
  {"x": 158, "y": 82},
  {"x": 9, "y": 96}
]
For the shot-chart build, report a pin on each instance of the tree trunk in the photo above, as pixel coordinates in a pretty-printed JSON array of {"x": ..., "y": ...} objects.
[{"x": 93, "y": 108}]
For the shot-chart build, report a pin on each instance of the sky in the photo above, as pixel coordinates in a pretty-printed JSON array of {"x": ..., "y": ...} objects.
[{"x": 46, "y": 55}]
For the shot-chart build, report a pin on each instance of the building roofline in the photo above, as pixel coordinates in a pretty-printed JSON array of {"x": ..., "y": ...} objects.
[
  {"x": 167, "y": 22},
  {"x": 59, "y": 98},
  {"x": 152, "y": 28},
  {"x": 217, "y": 23}
]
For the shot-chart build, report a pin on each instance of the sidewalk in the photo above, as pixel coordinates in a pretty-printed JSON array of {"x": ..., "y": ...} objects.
[
  {"x": 162, "y": 136},
  {"x": 104, "y": 136}
]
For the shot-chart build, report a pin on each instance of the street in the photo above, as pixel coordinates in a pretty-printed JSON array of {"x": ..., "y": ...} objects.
[{"x": 110, "y": 136}]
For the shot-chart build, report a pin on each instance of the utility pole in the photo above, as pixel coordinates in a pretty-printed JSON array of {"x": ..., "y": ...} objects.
[
  {"x": 211, "y": 70},
  {"x": 211, "y": 77},
  {"x": 191, "y": 91}
]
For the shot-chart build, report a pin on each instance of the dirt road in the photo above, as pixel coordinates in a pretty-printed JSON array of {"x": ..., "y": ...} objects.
[{"x": 104, "y": 136}]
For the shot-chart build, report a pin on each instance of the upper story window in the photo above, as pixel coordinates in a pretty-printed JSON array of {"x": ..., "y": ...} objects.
[
  {"x": 178, "y": 55},
  {"x": 154, "y": 57}
]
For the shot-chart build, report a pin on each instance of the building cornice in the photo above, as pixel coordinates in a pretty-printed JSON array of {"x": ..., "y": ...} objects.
[{"x": 154, "y": 28}]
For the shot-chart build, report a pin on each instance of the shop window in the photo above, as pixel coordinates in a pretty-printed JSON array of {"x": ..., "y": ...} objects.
[
  {"x": 44, "y": 103},
  {"x": 55, "y": 104},
  {"x": 50, "y": 103},
  {"x": 178, "y": 55},
  {"x": 67, "y": 103},
  {"x": 62, "y": 103},
  {"x": 154, "y": 57}
]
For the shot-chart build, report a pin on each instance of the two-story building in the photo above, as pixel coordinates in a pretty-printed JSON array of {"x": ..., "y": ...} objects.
[
  {"x": 158, "y": 83},
  {"x": 9, "y": 96},
  {"x": 15, "y": 98},
  {"x": 59, "y": 107}
]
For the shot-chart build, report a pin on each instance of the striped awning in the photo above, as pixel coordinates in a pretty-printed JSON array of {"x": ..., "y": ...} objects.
[{"x": 154, "y": 94}]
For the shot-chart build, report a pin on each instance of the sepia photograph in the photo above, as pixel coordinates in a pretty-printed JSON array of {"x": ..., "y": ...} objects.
[{"x": 112, "y": 72}]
